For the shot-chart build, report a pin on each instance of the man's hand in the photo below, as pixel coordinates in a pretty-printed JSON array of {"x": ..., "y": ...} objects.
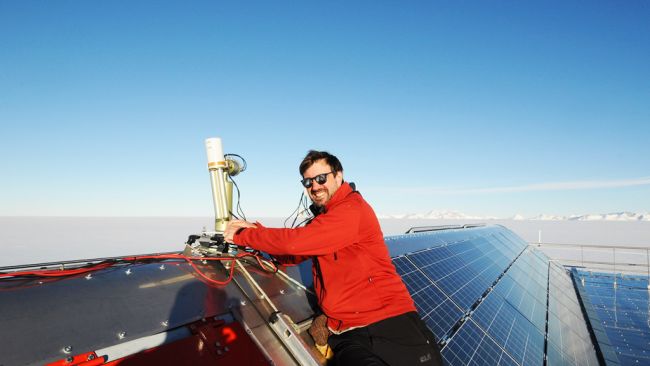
[{"x": 233, "y": 226}]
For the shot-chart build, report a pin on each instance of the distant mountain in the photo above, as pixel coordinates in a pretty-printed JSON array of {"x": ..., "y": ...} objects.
[
  {"x": 455, "y": 215},
  {"x": 517, "y": 217},
  {"x": 615, "y": 216},
  {"x": 437, "y": 215},
  {"x": 544, "y": 217}
]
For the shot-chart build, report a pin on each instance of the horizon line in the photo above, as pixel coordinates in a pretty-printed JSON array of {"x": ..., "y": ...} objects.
[{"x": 545, "y": 186}]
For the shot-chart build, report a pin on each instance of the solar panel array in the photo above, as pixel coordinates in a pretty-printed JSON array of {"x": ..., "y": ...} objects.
[
  {"x": 491, "y": 299},
  {"x": 619, "y": 309}
]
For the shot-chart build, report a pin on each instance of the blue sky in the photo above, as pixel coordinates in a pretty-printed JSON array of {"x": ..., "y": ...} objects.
[{"x": 486, "y": 107}]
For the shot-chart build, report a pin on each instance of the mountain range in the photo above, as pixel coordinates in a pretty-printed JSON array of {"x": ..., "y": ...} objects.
[{"x": 455, "y": 215}]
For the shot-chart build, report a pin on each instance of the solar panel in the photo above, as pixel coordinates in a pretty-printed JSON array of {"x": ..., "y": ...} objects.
[
  {"x": 486, "y": 294},
  {"x": 441, "y": 318},
  {"x": 522, "y": 300},
  {"x": 435, "y": 308},
  {"x": 438, "y": 262},
  {"x": 461, "y": 270},
  {"x": 621, "y": 308},
  {"x": 511, "y": 329},
  {"x": 472, "y": 346}
]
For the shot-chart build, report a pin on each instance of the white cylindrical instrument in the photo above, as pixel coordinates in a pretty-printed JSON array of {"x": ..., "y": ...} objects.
[{"x": 217, "y": 167}]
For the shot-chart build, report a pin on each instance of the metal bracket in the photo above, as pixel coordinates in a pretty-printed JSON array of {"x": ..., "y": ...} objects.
[{"x": 288, "y": 336}]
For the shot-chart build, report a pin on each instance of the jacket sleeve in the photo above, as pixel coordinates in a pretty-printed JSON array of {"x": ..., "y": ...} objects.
[{"x": 327, "y": 233}]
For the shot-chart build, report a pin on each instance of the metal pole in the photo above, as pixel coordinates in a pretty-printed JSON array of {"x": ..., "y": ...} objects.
[
  {"x": 614, "y": 249},
  {"x": 647, "y": 263}
]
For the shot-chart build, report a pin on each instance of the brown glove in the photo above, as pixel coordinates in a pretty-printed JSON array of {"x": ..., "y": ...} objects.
[{"x": 318, "y": 330}]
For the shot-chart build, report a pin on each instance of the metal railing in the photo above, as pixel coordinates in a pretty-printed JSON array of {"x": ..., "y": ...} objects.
[
  {"x": 614, "y": 259},
  {"x": 422, "y": 229}
]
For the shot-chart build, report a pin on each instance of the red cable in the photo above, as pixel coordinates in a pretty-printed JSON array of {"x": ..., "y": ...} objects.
[
  {"x": 57, "y": 273},
  {"x": 69, "y": 272}
]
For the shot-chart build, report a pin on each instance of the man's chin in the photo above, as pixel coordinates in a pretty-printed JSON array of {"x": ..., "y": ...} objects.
[{"x": 318, "y": 202}]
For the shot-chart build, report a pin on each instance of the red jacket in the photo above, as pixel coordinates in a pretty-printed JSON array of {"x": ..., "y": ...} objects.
[{"x": 361, "y": 285}]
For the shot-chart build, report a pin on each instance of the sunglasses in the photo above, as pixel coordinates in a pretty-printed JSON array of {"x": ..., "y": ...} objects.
[{"x": 320, "y": 179}]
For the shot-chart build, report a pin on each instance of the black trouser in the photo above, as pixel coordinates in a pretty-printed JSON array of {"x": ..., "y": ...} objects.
[{"x": 400, "y": 340}]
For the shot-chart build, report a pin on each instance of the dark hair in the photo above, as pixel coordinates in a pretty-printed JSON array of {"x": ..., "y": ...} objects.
[{"x": 313, "y": 156}]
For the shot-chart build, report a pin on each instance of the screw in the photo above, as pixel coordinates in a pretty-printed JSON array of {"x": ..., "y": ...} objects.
[
  {"x": 128, "y": 271},
  {"x": 67, "y": 349},
  {"x": 282, "y": 292},
  {"x": 165, "y": 323},
  {"x": 162, "y": 267},
  {"x": 90, "y": 357},
  {"x": 121, "y": 335},
  {"x": 69, "y": 359},
  {"x": 243, "y": 303}
]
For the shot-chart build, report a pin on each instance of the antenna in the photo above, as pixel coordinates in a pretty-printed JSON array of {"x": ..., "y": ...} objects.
[{"x": 220, "y": 169}]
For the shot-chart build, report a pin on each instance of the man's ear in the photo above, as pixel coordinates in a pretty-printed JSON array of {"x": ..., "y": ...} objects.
[{"x": 339, "y": 177}]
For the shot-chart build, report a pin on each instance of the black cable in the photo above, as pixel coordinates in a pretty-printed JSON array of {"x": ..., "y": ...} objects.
[
  {"x": 305, "y": 204},
  {"x": 296, "y": 211},
  {"x": 238, "y": 209},
  {"x": 292, "y": 213},
  {"x": 305, "y": 207},
  {"x": 293, "y": 223},
  {"x": 303, "y": 221}
]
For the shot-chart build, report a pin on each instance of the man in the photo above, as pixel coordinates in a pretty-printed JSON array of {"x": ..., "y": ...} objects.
[{"x": 370, "y": 314}]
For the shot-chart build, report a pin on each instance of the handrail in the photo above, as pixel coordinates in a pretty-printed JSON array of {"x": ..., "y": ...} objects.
[
  {"x": 422, "y": 229},
  {"x": 616, "y": 259},
  {"x": 644, "y": 247}
]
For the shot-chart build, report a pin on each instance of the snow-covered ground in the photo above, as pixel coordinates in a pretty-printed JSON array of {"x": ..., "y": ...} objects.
[{"x": 43, "y": 239}]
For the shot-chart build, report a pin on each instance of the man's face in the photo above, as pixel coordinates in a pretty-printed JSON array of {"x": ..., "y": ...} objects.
[{"x": 320, "y": 194}]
